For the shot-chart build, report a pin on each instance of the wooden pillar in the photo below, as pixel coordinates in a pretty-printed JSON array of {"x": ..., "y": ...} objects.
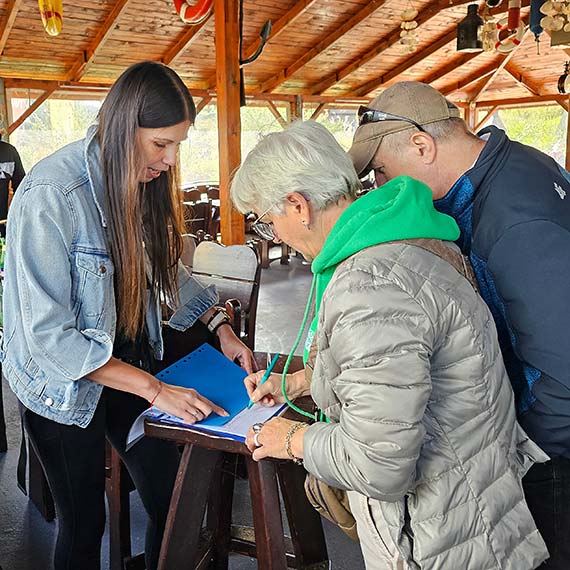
[
  {"x": 4, "y": 114},
  {"x": 229, "y": 123},
  {"x": 295, "y": 110},
  {"x": 567, "y": 162},
  {"x": 470, "y": 115}
]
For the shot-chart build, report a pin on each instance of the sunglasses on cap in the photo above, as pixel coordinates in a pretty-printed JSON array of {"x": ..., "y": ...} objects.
[{"x": 367, "y": 115}]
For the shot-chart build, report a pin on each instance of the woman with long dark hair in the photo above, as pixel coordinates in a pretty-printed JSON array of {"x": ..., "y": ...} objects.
[{"x": 94, "y": 241}]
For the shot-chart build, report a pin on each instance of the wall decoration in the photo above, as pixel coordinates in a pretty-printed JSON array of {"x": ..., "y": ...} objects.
[
  {"x": 408, "y": 35},
  {"x": 193, "y": 13}
]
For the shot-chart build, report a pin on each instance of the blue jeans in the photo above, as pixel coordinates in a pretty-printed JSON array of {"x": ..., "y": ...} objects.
[{"x": 547, "y": 492}]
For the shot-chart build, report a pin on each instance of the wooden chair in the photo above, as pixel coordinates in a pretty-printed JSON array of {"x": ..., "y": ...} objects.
[{"x": 205, "y": 482}]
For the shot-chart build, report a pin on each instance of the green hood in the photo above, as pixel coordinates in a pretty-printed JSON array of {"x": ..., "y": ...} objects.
[{"x": 401, "y": 209}]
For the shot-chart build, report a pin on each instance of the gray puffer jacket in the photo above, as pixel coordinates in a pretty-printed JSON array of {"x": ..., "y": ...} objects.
[{"x": 410, "y": 373}]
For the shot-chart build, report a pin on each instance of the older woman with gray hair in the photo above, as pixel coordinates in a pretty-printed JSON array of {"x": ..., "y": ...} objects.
[{"x": 420, "y": 424}]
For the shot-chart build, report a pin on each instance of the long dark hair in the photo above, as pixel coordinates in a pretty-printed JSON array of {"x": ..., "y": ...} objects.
[{"x": 141, "y": 216}]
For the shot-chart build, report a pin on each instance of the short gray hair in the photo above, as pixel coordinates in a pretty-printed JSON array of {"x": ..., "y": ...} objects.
[{"x": 303, "y": 158}]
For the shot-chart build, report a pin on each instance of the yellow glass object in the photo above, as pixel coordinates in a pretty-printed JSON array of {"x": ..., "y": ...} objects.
[{"x": 51, "y": 12}]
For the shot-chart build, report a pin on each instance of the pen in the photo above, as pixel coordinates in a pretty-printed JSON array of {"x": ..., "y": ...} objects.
[{"x": 266, "y": 375}]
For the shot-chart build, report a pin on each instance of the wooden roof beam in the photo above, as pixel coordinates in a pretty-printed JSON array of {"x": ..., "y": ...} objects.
[
  {"x": 8, "y": 24},
  {"x": 327, "y": 40},
  {"x": 487, "y": 116},
  {"x": 203, "y": 102},
  {"x": 184, "y": 41},
  {"x": 80, "y": 67},
  {"x": 320, "y": 108},
  {"x": 516, "y": 74},
  {"x": 431, "y": 10},
  {"x": 416, "y": 58},
  {"x": 477, "y": 75},
  {"x": 522, "y": 101},
  {"x": 298, "y": 9}
]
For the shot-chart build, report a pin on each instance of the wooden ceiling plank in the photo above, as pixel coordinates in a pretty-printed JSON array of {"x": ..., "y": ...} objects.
[
  {"x": 522, "y": 101},
  {"x": 487, "y": 116},
  {"x": 30, "y": 110},
  {"x": 184, "y": 41},
  {"x": 525, "y": 82},
  {"x": 8, "y": 24},
  {"x": 477, "y": 75},
  {"x": 275, "y": 112},
  {"x": 416, "y": 58},
  {"x": 323, "y": 44},
  {"x": 431, "y": 10},
  {"x": 298, "y": 9},
  {"x": 80, "y": 67}
]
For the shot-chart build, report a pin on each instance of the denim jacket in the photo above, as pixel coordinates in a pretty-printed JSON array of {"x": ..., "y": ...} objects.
[{"x": 59, "y": 299}]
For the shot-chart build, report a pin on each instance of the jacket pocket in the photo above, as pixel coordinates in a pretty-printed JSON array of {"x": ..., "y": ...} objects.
[{"x": 93, "y": 288}]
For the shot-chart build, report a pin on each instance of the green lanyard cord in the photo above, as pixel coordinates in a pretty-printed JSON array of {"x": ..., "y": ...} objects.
[{"x": 292, "y": 352}]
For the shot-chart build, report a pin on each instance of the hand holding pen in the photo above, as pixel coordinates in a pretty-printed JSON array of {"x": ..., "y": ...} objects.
[{"x": 254, "y": 382}]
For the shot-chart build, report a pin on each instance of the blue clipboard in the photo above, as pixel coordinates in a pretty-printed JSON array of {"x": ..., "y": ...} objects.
[{"x": 214, "y": 376}]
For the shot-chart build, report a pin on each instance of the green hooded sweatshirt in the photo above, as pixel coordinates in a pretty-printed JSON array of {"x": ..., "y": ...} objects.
[{"x": 401, "y": 209}]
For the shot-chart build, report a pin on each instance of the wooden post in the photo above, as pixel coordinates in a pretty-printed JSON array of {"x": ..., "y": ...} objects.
[
  {"x": 295, "y": 111},
  {"x": 229, "y": 123},
  {"x": 4, "y": 115},
  {"x": 567, "y": 162},
  {"x": 470, "y": 115}
]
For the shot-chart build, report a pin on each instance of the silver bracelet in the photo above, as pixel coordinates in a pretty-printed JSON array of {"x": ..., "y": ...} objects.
[{"x": 292, "y": 430}]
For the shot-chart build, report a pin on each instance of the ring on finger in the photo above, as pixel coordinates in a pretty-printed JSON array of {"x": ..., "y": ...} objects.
[
  {"x": 257, "y": 427},
  {"x": 256, "y": 440}
]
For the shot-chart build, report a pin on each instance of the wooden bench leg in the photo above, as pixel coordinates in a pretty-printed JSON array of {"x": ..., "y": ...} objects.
[
  {"x": 305, "y": 523},
  {"x": 187, "y": 508},
  {"x": 270, "y": 546},
  {"x": 117, "y": 493},
  {"x": 219, "y": 520}
]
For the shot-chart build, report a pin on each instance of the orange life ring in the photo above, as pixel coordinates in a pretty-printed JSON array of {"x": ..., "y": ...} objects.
[
  {"x": 193, "y": 14},
  {"x": 510, "y": 42}
]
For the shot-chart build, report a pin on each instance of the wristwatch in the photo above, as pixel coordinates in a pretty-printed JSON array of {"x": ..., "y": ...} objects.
[{"x": 219, "y": 318}]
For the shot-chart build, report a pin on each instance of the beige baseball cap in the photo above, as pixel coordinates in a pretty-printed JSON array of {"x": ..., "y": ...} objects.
[{"x": 411, "y": 99}]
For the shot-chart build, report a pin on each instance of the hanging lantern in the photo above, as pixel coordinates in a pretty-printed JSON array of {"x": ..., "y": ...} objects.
[
  {"x": 469, "y": 31},
  {"x": 564, "y": 80},
  {"x": 493, "y": 3}
]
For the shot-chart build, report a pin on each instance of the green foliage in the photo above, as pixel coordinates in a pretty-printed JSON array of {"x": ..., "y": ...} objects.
[
  {"x": 541, "y": 127},
  {"x": 59, "y": 122}
]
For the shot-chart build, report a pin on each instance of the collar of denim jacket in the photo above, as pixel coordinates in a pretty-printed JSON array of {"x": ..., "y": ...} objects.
[{"x": 95, "y": 171}]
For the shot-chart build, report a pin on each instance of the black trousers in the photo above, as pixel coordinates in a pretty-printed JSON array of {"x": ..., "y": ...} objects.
[
  {"x": 547, "y": 492},
  {"x": 74, "y": 461}
]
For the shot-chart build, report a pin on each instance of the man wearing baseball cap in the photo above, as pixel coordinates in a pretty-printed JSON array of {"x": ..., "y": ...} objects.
[{"x": 512, "y": 205}]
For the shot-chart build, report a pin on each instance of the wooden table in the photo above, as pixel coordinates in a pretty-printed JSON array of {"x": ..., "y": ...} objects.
[{"x": 205, "y": 482}]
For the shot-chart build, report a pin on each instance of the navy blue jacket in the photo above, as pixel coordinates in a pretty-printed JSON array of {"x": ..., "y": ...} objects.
[{"x": 513, "y": 209}]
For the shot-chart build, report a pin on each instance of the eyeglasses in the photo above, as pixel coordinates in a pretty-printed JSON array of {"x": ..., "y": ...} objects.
[
  {"x": 366, "y": 115},
  {"x": 264, "y": 229}
]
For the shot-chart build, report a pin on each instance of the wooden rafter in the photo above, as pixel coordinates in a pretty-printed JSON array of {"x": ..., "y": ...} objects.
[
  {"x": 431, "y": 10},
  {"x": 453, "y": 65},
  {"x": 418, "y": 57},
  {"x": 517, "y": 75},
  {"x": 280, "y": 25},
  {"x": 8, "y": 23},
  {"x": 477, "y": 75},
  {"x": 486, "y": 117},
  {"x": 522, "y": 101},
  {"x": 184, "y": 41},
  {"x": 30, "y": 110},
  {"x": 477, "y": 95},
  {"x": 275, "y": 112},
  {"x": 80, "y": 67},
  {"x": 324, "y": 43}
]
